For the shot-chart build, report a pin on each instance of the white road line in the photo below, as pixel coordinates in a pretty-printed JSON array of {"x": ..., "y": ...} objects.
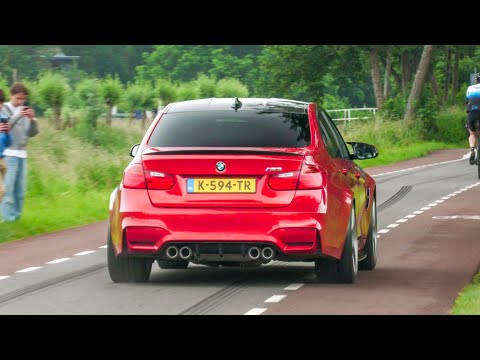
[
  {"x": 410, "y": 216},
  {"x": 275, "y": 298},
  {"x": 102, "y": 247},
  {"x": 84, "y": 253},
  {"x": 446, "y": 197},
  {"x": 439, "y": 201},
  {"x": 58, "y": 261},
  {"x": 402, "y": 220},
  {"x": 452, "y": 194},
  {"x": 392, "y": 225},
  {"x": 457, "y": 192},
  {"x": 418, "y": 212},
  {"x": 378, "y": 235},
  {"x": 383, "y": 231},
  {"x": 425, "y": 208},
  {"x": 255, "y": 311},
  {"x": 4, "y": 277},
  {"x": 293, "y": 287},
  {"x": 432, "y": 205},
  {"x": 29, "y": 269}
]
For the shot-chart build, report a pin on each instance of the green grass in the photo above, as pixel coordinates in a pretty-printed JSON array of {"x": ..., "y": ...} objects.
[{"x": 468, "y": 301}]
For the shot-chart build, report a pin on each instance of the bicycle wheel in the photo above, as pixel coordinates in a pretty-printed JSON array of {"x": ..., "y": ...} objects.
[{"x": 478, "y": 159}]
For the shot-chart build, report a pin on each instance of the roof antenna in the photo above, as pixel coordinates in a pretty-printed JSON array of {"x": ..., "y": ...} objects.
[{"x": 237, "y": 104}]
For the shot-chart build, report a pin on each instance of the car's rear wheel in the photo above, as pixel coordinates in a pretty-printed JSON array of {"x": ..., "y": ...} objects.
[
  {"x": 370, "y": 249},
  {"x": 126, "y": 269},
  {"x": 348, "y": 264},
  {"x": 343, "y": 270},
  {"x": 172, "y": 264}
]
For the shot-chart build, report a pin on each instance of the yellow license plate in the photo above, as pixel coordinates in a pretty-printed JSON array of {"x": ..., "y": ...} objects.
[{"x": 221, "y": 186}]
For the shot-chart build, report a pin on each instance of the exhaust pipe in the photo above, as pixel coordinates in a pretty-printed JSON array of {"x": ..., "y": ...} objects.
[
  {"x": 254, "y": 253},
  {"x": 267, "y": 253},
  {"x": 185, "y": 252},
  {"x": 172, "y": 252}
]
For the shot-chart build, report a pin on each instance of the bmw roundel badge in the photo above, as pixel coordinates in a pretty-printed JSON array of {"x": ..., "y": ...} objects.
[{"x": 221, "y": 166}]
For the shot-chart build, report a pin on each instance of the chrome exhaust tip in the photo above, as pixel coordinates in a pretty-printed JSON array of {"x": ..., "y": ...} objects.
[
  {"x": 268, "y": 253},
  {"x": 185, "y": 252},
  {"x": 254, "y": 253},
  {"x": 172, "y": 252}
]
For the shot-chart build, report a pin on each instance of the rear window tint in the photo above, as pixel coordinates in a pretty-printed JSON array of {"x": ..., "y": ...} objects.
[{"x": 247, "y": 128}]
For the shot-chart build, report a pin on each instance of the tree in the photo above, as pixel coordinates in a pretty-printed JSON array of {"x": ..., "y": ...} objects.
[
  {"x": 138, "y": 96},
  {"x": 87, "y": 96},
  {"x": 111, "y": 92},
  {"x": 166, "y": 92},
  {"x": 419, "y": 82},
  {"x": 227, "y": 88},
  {"x": 206, "y": 86},
  {"x": 52, "y": 91},
  {"x": 376, "y": 80}
]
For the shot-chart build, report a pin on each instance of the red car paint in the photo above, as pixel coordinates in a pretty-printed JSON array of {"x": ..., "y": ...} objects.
[{"x": 306, "y": 220}]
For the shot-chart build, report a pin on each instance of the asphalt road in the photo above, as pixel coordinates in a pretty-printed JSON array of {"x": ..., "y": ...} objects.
[{"x": 425, "y": 258}]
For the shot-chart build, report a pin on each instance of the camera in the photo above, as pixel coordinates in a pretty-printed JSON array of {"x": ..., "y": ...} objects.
[
  {"x": 26, "y": 105},
  {"x": 3, "y": 119}
]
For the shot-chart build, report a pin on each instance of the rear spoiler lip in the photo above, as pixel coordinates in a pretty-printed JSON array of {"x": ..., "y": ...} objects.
[{"x": 222, "y": 152}]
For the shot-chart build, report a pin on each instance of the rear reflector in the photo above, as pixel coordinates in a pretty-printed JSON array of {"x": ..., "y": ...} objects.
[{"x": 133, "y": 177}]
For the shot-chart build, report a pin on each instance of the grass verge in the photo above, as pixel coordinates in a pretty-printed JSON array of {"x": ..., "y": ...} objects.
[{"x": 468, "y": 301}]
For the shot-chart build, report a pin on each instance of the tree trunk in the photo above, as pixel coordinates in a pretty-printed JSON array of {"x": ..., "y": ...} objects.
[
  {"x": 109, "y": 114},
  {"x": 56, "y": 117},
  {"x": 377, "y": 83},
  {"x": 388, "y": 70},
  {"x": 447, "y": 76},
  {"x": 433, "y": 83},
  {"x": 398, "y": 79},
  {"x": 419, "y": 82},
  {"x": 144, "y": 118},
  {"x": 455, "y": 75},
  {"x": 405, "y": 67}
]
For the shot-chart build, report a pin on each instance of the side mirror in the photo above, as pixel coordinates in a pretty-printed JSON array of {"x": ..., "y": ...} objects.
[
  {"x": 134, "y": 150},
  {"x": 362, "y": 151}
]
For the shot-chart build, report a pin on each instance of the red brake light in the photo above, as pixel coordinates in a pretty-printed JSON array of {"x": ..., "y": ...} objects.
[
  {"x": 312, "y": 177},
  {"x": 284, "y": 181},
  {"x": 158, "y": 180},
  {"x": 133, "y": 177}
]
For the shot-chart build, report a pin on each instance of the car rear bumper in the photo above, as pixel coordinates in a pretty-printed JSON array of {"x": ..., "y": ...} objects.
[{"x": 149, "y": 230}]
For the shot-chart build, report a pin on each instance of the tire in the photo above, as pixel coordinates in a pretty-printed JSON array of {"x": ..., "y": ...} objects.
[
  {"x": 124, "y": 269},
  {"x": 172, "y": 264},
  {"x": 343, "y": 270},
  {"x": 478, "y": 158},
  {"x": 370, "y": 248}
]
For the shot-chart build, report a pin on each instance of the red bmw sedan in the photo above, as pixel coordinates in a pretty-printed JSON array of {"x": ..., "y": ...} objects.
[{"x": 242, "y": 182}]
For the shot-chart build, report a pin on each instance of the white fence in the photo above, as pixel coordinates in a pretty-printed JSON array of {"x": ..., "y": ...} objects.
[{"x": 347, "y": 114}]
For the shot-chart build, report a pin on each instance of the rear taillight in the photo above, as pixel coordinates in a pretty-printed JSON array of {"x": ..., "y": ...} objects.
[
  {"x": 284, "y": 181},
  {"x": 159, "y": 181},
  {"x": 310, "y": 177},
  {"x": 133, "y": 177}
]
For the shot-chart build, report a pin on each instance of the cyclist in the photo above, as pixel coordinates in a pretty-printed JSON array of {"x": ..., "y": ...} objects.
[{"x": 473, "y": 111}]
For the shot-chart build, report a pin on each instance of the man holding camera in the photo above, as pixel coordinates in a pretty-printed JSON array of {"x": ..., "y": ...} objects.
[{"x": 23, "y": 125}]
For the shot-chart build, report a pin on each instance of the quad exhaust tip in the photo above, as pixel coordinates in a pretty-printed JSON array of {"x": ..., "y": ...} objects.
[
  {"x": 268, "y": 253},
  {"x": 172, "y": 252},
  {"x": 254, "y": 253},
  {"x": 185, "y": 252}
]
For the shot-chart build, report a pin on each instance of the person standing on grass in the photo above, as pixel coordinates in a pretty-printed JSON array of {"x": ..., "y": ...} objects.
[
  {"x": 5, "y": 141},
  {"x": 24, "y": 125}
]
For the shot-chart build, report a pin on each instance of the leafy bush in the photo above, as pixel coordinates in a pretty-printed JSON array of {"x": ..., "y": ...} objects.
[{"x": 227, "y": 88}]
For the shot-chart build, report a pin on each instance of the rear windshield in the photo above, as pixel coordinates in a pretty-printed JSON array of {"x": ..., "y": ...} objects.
[{"x": 247, "y": 128}]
